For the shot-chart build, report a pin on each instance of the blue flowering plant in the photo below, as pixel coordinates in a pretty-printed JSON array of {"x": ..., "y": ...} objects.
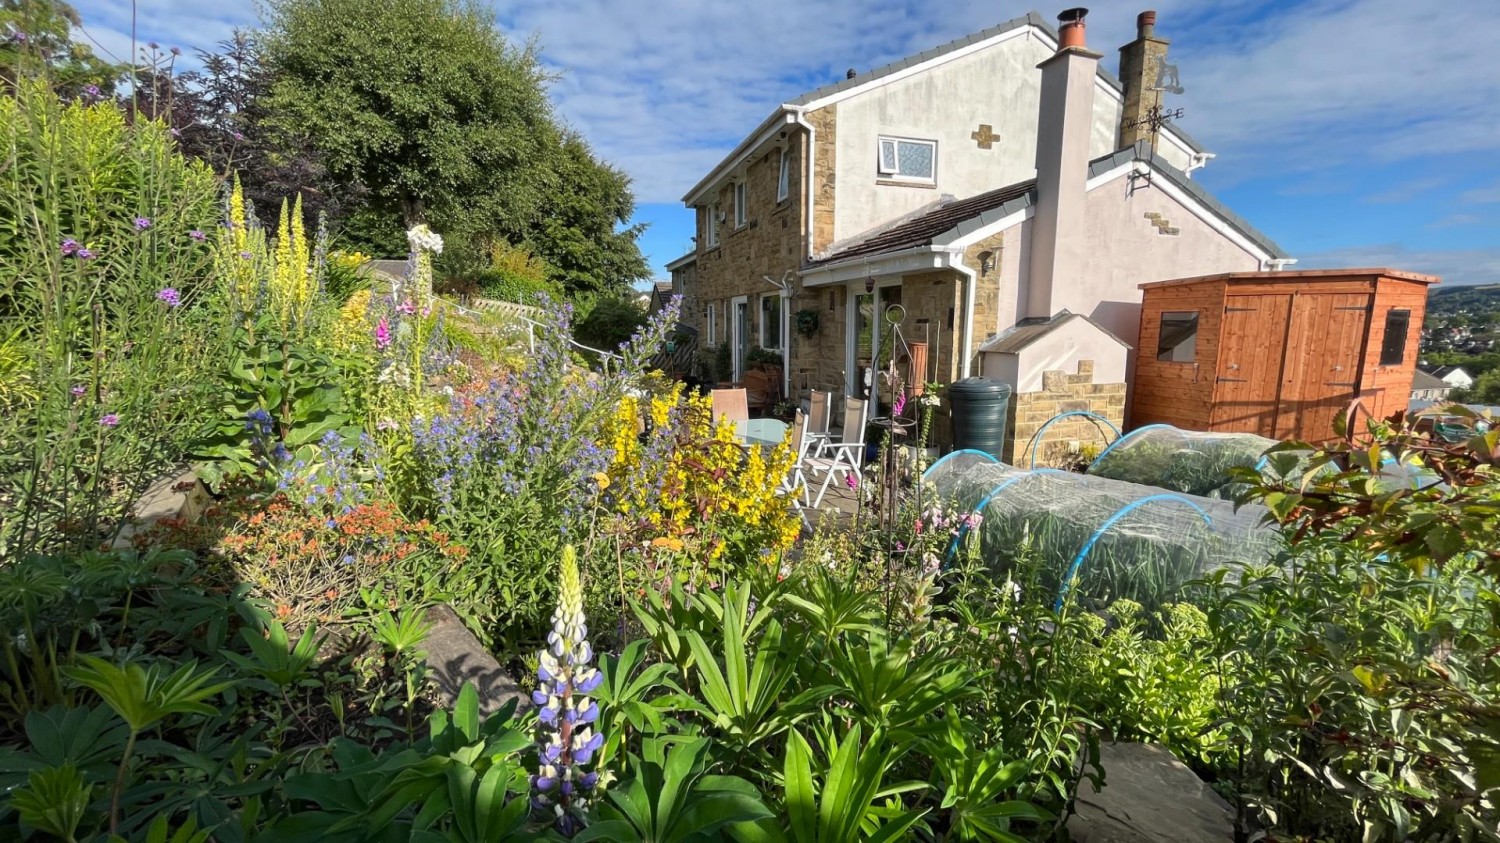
[
  {"x": 512, "y": 467},
  {"x": 564, "y": 782}
]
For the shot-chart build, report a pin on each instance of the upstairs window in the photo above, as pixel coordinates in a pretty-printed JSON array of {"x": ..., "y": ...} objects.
[
  {"x": 906, "y": 159},
  {"x": 1393, "y": 345},
  {"x": 741, "y": 203},
  {"x": 1178, "y": 340},
  {"x": 784, "y": 177},
  {"x": 711, "y": 228}
]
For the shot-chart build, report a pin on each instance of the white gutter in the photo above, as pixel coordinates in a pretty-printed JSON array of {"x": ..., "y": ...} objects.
[
  {"x": 799, "y": 116},
  {"x": 956, "y": 260},
  {"x": 1277, "y": 264}
]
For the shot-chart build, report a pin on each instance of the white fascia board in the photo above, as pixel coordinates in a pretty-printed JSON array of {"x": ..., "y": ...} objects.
[
  {"x": 916, "y": 259},
  {"x": 919, "y": 67},
  {"x": 961, "y": 243},
  {"x": 784, "y": 116},
  {"x": 1186, "y": 200}
]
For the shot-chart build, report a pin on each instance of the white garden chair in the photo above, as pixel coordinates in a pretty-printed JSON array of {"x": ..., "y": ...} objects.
[
  {"x": 820, "y": 413},
  {"x": 841, "y": 459}
]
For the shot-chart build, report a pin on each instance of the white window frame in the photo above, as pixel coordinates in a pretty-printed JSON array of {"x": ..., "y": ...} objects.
[
  {"x": 712, "y": 232},
  {"x": 778, "y": 312},
  {"x": 741, "y": 203},
  {"x": 784, "y": 176},
  {"x": 893, "y": 173},
  {"x": 731, "y": 316},
  {"x": 711, "y": 337}
]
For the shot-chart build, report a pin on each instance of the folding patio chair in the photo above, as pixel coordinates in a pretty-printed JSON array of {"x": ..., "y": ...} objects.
[
  {"x": 730, "y": 404},
  {"x": 842, "y": 458},
  {"x": 817, "y": 421}
]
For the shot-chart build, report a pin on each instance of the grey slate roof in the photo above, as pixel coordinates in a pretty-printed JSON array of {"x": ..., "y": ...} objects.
[
  {"x": 1031, "y": 18},
  {"x": 924, "y": 229},
  {"x": 682, "y": 261},
  {"x": 1423, "y": 380},
  {"x": 1015, "y": 339},
  {"x": 951, "y": 220}
]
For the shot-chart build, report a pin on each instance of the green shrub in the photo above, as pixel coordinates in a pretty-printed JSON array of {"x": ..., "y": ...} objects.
[
  {"x": 505, "y": 285},
  {"x": 611, "y": 323},
  {"x": 102, "y": 268}
]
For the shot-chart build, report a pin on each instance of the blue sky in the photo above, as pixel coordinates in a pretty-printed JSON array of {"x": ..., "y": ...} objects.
[{"x": 1353, "y": 132}]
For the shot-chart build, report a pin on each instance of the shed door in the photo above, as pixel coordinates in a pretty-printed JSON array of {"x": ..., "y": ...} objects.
[
  {"x": 1320, "y": 379},
  {"x": 1250, "y": 354}
]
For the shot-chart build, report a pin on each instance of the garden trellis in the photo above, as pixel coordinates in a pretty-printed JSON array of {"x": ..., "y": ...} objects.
[
  {"x": 1188, "y": 461},
  {"x": 1100, "y": 539}
]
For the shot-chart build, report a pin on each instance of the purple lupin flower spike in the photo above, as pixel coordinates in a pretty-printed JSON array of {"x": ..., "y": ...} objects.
[{"x": 568, "y": 741}]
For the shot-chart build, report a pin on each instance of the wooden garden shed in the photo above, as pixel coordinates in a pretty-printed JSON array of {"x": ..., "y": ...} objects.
[{"x": 1280, "y": 354}]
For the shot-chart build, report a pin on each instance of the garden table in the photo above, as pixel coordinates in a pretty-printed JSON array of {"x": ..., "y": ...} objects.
[{"x": 763, "y": 432}]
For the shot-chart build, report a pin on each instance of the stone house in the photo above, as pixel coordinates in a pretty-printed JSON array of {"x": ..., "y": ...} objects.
[{"x": 1001, "y": 182}]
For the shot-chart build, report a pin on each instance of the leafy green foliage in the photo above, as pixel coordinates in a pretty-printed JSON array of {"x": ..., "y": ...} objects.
[
  {"x": 673, "y": 798},
  {"x": 116, "y": 379},
  {"x": 455, "y": 129},
  {"x": 295, "y": 384},
  {"x": 611, "y": 323},
  {"x": 44, "y": 47}
]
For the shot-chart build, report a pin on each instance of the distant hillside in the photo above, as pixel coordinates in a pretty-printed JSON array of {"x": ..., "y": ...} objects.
[{"x": 1475, "y": 300}]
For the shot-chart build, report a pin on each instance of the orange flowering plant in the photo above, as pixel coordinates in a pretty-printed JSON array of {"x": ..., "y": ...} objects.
[
  {"x": 309, "y": 565},
  {"x": 686, "y": 499}
]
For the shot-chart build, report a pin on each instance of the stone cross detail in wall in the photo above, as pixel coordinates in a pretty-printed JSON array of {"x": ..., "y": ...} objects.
[{"x": 985, "y": 136}]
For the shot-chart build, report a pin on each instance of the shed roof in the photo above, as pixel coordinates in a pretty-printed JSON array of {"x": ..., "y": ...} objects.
[
  {"x": 1016, "y": 339},
  {"x": 1292, "y": 276}
]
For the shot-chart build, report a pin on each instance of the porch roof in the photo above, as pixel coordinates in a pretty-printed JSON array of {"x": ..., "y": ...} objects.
[{"x": 929, "y": 227}]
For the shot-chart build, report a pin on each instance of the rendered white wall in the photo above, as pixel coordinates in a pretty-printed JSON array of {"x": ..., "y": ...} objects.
[{"x": 999, "y": 85}]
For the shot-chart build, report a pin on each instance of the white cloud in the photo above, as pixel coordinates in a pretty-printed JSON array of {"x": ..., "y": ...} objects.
[
  {"x": 1454, "y": 266},
  {"x": 1481, "y": 195},
  {"x": 1404, "y": 191},
  {"x": 664, "y": 88}
]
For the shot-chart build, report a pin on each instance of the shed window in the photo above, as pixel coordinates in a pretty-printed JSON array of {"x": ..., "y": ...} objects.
[
  {"x": 1178, "y": 342},
  {"x": 1393, "y": 346}
]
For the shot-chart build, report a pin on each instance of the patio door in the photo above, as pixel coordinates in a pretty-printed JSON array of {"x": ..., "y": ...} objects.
[
  {"x": 739, "y": 334},
  {"x": 871, "y": 343}
]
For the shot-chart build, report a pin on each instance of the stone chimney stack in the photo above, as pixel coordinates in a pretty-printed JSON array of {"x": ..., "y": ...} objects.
[
  {"x": 1140, "y": 61},
  {"x": 1064, "y": 125}
]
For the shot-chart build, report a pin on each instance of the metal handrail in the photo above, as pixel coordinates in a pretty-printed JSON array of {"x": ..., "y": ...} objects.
[{"x": 532, "y": 325}]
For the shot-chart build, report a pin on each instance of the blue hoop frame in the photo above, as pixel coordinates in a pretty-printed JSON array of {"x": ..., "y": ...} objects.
[
  {"x": 1123, "y": 511},
  {"x": 1036, "y": 438},
  {"x": 988, "y": 457},
  {"x": 1131, "y": 435},
  {"x": 1005, "y": 484}
]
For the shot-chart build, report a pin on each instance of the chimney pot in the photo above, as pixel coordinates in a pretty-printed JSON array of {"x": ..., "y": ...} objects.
[
  {"x": 850, "y": 73},
  {"x": 1145, "y": 24},
  {"x": 1070, "y": 30}
]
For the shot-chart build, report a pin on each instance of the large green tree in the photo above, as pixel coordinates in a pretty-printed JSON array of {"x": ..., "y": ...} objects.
[
  {"x": 431, "y": 109},
  {"x": 36, "y": 39}
]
